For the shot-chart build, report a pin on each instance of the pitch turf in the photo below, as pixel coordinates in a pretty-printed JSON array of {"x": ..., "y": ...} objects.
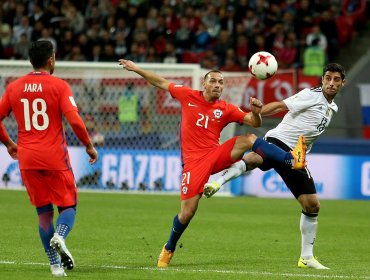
[{"x": 119, "y": 236}]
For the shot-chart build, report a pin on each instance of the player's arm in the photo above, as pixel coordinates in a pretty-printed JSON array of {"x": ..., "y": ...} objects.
[
  {"x": 8, "y": 142},
  {"x": 253, "y": 118},
  {"x": 273, "y": 108},
  {"x": 151, "y": 77},
  {"x": 80, "y": 130}
]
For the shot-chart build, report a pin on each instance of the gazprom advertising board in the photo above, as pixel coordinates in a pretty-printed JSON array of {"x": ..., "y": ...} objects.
[{"x": 336, "y": 176}]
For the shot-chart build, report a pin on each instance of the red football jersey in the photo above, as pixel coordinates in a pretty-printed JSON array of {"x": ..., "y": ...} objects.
[
  {"x": 38, "y": 101},
  {"x": 202, "y": 121}
]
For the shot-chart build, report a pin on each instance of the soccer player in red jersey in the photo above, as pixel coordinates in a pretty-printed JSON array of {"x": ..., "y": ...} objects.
[
  {"x": 203, "y": 116},
  {"x": 38, "y": 101}
]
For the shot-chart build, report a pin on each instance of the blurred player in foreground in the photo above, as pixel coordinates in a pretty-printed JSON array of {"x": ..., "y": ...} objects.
[
  {"x": 204, "y": 115},
  {"x": 309, "y": 113},
  {"x": 38, "y": 101}
]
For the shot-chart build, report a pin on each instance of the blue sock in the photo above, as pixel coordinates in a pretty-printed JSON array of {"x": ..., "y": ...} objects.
[
  {"x": 176, "y": 232},
  {"x": 271, "y": 151},
  {"x": 46, "y": 231},
  {"x": 65, "y": 221}
]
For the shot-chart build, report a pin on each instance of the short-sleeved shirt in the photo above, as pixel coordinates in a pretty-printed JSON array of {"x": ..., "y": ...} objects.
[
  {"x": 309, "y": 115},
  {"x": 202, "y": 121},
  {"x": 38, "y": 101}
]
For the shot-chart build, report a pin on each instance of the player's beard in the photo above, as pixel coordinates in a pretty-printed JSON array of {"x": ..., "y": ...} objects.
[{"x": 51, "y": 71}]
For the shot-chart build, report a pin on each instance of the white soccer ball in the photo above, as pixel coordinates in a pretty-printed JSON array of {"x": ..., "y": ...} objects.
[{"x": 263, "y": 65}]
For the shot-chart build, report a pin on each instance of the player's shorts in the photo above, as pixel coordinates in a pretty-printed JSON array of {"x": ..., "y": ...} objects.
[
  {"x": 196, "y": 173},
  {"x": 299, "y": 181},
  {"x": 50, "y": 186}
]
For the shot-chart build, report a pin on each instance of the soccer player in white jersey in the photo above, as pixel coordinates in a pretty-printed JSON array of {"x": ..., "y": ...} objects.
[{"x": 309, "y": 113}]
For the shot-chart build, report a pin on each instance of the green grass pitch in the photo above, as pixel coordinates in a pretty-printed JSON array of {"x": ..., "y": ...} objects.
[{"x": 119, "y": 236}]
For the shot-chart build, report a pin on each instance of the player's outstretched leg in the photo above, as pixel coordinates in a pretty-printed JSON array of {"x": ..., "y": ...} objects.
[
  {"x": 165, "y": 257},
  {"x": 310, "y": 263},
  {"x": 58, "y": 243},
  {"x": 299, "y": 153}
]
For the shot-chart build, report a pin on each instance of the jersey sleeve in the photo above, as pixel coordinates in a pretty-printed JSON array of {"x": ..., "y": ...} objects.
[
  {"x": 300, "y": 101},
  {"x": 179, "y": 92},
  {"x": 67, "y": 102},
  {"x": 5, "y": 107},
  {"x": 236, "y": 114}
]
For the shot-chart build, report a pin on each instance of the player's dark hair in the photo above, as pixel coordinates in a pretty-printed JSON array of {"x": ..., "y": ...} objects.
[
  {"x": 39, "y": 53},
  {"x": 335, "y": 67},
  {"x": 212, "y": 71}
]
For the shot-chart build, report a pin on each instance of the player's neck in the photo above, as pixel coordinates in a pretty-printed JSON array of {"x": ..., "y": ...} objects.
[{"x": 41, "y": 70}]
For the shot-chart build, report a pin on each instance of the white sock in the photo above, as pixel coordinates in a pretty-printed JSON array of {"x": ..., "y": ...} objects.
[
  {"x": 308, "y": 227},
  {"x": 232, "y": 172}
]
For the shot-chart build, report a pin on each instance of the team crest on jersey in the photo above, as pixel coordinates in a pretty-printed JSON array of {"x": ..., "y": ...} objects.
[
  {"x": 184, "y": 190},
  {"x": 217, "y": 114}
]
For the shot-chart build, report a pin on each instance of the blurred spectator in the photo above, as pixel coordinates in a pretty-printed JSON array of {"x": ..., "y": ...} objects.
[
  {"x": 108, "y": 53},
  {"x": 45, "y": 35},
  {"x": 170, "y": 54},
  {"x": 329, "y": 29},
  {"x": 22, "y": 28},
  {"x": 211, "y": 21},
  {"x": 313, "y": 59},
  {"x": 228, "y": 22},
  {"x": 288, "y": 54},
  {"x": 38, "y": 15},
  {"x": 221, "y": 45},
  {"x": 96, "y": 54},
  {"x": 242, "y": 51},
  {"x": 202, "y": 37},
  {"x": 37, "y": 30},
  {"x": 183, "y": 37},
  {"x": 5, "y": 34},
  {"x": 76, "y": 20},
  {"x": 258, "y": 44},
  {"x": 231, "y": 64},
  {"x": 120, "y": 47},
  {"x": 152, "y": 55},
  {"x": 250, "y": 21},
  {"x": 21, "y": 47},
  {"x": 304, "y": 17},
  {"x": 75, "y": 54},
  {"x": 316, "y": 34}
]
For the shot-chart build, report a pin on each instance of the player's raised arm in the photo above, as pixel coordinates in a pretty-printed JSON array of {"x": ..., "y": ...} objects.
[
  {"x": 253, "y": 118},
  {"x": 151, "y": 77},
  {"x": 273, "y": 108},
  {"x": 79, "y": 129},
  {"x": 8, "y": 142}
]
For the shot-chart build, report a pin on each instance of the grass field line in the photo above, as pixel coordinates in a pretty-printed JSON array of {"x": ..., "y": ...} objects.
[{"x": 219, "y": 271}]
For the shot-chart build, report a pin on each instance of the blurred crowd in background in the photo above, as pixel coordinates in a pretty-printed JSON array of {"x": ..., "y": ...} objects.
[{"x": 219, "y": 34}]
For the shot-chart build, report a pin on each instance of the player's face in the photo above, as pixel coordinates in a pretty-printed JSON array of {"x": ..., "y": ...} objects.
[
  {"x": 332, "y": 82},
  {"x": 213, "y": 86}
]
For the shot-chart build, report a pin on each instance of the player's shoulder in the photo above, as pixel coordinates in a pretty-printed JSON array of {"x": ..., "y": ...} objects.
[{"x": 313, "y": 90}]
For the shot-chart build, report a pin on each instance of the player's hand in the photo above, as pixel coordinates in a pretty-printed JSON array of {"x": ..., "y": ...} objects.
[
  {"x": 255, "y": 105},
  {"x": 127, "y": 64},
  {"x": 93, "y": 154},
  {"x": 13, "y": 150}
]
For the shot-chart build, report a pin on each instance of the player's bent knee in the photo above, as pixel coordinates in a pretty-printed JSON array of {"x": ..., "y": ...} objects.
[{"x": 246, "y": 141}]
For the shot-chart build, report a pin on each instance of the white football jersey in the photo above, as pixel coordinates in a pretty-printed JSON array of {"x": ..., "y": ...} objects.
[{"x": 309, "y": 114}]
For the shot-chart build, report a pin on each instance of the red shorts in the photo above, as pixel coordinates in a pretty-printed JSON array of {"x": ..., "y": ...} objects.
[
  {"x": 50, "y": 186},
  {"x": 196, "y": 173}
]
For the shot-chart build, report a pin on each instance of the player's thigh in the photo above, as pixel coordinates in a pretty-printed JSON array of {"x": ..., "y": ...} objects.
[
  {"x": 63, "y": 188},
  {"x": 37, "y": 187},
  {"x": 298, "y": 181},
  {"x": 194, "y": 176}
]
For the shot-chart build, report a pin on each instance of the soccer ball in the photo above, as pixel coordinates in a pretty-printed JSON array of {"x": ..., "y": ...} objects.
[{"x": 263, "y": 65}]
